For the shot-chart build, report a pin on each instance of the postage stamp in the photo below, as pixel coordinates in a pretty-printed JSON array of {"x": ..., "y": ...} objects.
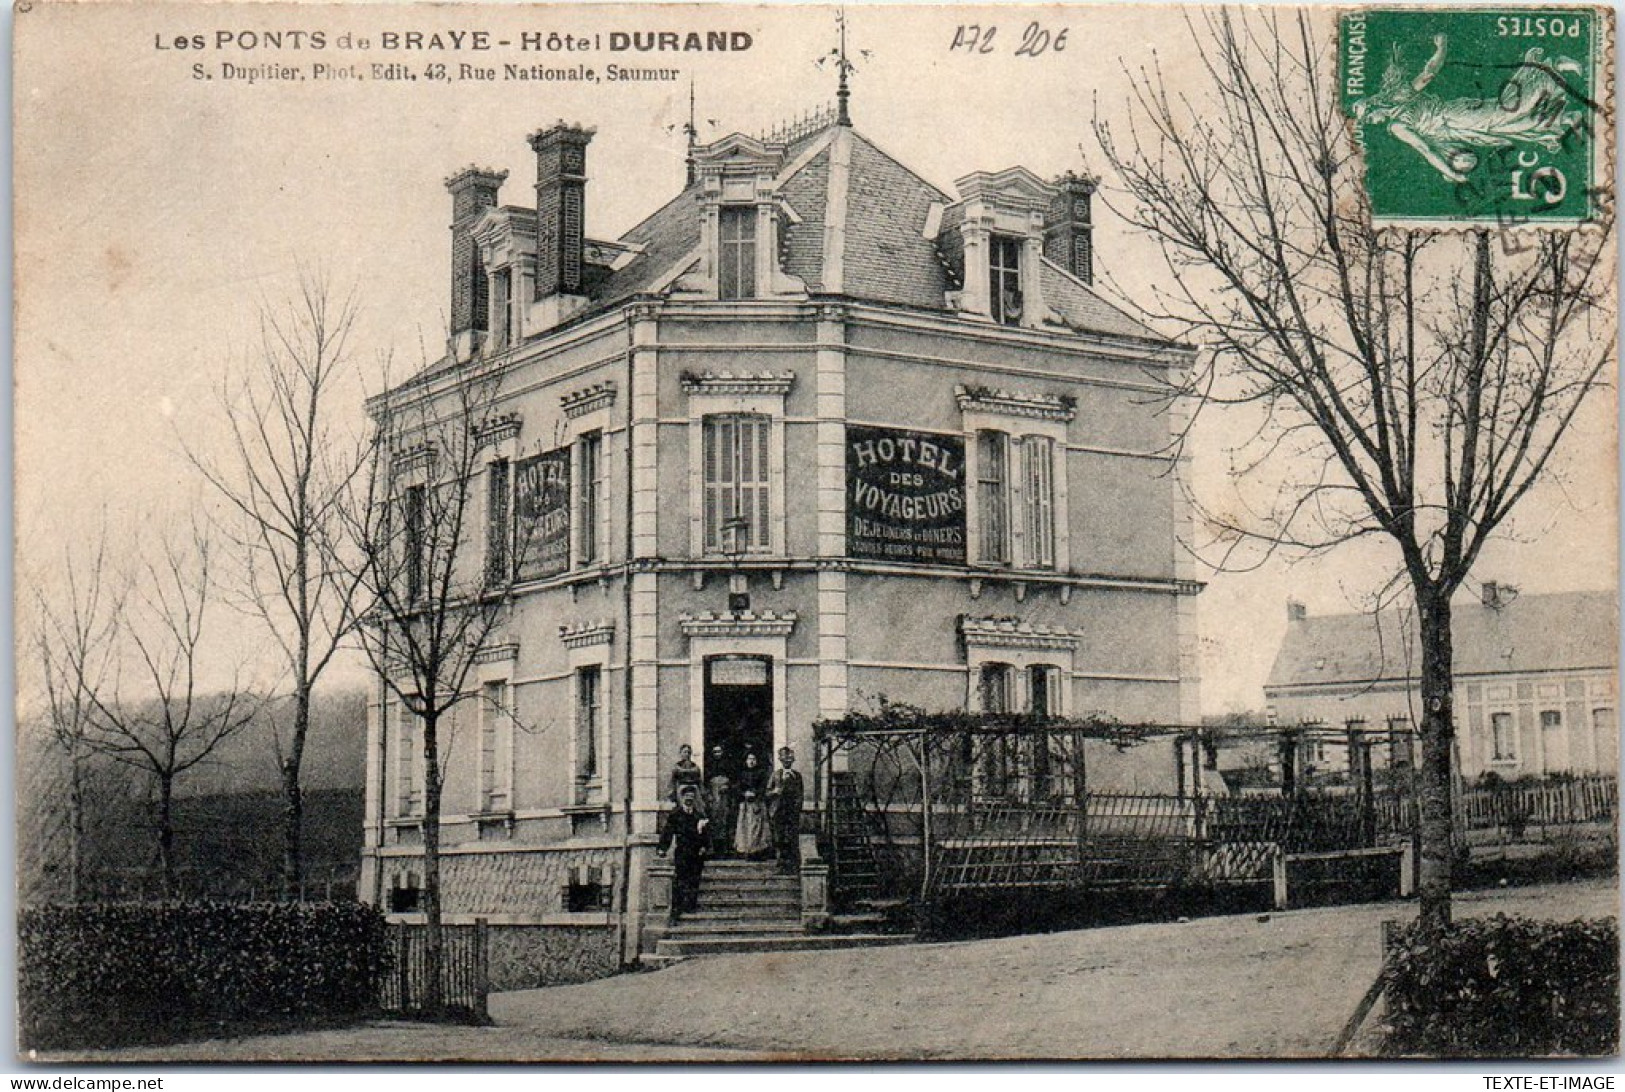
[{"x": 1475, "y": 115}]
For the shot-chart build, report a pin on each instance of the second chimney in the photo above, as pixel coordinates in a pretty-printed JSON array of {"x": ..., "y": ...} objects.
[
  {"x": 1069, "y": 232},
  {"x": 561, "y": 207},
  {"x": 1296, "y": 611},
  {"x": 472, "y": 192}
]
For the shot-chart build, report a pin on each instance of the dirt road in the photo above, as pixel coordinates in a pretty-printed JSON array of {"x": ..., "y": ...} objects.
[{"x": 1214, "y": 987}]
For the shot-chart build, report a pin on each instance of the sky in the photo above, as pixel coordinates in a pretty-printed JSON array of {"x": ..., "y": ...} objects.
[{"x": 155, "y": 212}]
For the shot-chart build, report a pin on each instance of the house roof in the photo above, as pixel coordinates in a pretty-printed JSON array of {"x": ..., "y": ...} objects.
[
  {"x": 1560, "y": 631},
  {"x": 847, "y": 193}
]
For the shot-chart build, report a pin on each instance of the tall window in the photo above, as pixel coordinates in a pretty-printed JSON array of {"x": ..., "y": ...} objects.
[
  {"x": 1015, "y": 504},
  {"x": 1041, "y": 703},
  {"x": 993, "y": 497},
  {"x": 591, "y": 452},
  {"x": 495, "y": 732},
  {"x": 589, "y": 708},
  {"x": 502, "y": 309},
  {"x": 1038, "y": 500},
  {"x": 1503, "y": 738},
  {"x": 998, "y": 696},
  {"x": 736, "y": 479},
  {"x": 415, "y": 526},
  {"x": 408, "y": 786},
  {"x": 1004, "y": 279},
  {"x": 498, "y": 521},
  {"x": 736, "y": 269}
]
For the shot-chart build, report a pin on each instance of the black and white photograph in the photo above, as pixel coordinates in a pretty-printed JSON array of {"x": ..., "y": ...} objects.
[{"x": 724, "y": 533}]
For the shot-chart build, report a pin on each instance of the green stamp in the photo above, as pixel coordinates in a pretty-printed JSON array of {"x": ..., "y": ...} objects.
[{"x": 1475, "y": 115}]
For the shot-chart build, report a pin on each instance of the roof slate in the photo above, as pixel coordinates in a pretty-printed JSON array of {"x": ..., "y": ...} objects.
[
  {"x": 887, "y": 258},
  {"x": 1558, "y": 631}
]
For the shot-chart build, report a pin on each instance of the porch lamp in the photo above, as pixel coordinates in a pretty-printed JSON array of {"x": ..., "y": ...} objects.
[{"x": 735, "y": 534}]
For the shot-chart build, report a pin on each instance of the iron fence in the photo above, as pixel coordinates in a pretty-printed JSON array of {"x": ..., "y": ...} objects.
[{"x": 465, "y": 982}]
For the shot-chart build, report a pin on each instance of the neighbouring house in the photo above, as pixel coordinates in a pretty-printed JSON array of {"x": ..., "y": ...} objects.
[
  {"x": 813, "y": 433},
  {"x": 1535, "y": 678}
]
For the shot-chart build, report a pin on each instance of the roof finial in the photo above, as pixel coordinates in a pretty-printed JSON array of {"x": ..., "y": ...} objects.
[
  {"x": 844, "y": 66},
  {"x": 691, "y": 131}
]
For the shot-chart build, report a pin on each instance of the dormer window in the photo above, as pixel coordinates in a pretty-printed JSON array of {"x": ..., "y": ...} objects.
[
  {"x": 502, "y": 310},
  {"x": 1004, "y": 279},
  {"x": 736, "y": 271}
]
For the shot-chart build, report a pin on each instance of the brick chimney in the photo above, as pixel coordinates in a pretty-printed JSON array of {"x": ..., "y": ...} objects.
[
  {"x": 1069, "y": 234},
  {"x": 1296, "y": 611},
  {"x": 561, "y": 207},
  {"x": 472, "y": 190}
]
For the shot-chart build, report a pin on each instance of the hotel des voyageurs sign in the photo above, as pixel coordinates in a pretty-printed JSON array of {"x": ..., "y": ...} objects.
[
  {"x": 905, "y": 495},
  {"x": 542, "y": 511}
]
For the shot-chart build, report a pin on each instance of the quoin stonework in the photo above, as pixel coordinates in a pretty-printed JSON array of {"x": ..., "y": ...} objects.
[{"x": 814, "y": 433}]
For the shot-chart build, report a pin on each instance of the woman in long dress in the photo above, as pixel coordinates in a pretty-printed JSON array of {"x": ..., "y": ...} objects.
[
  {"x": 720, "y": 806},
  {"x": 751, "y": 836}
]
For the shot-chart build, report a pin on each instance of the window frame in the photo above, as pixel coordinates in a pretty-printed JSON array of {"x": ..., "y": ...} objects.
[
  {"x": 1019, "y": 508},
  {"x": 723, "y": 395},
  {"x": 414, "y": 535},
  {"x": 1510, "y": 754},
  {"x": 737, "y": 255},
  {"x": 496, "y": 740},
  {"x": 588, "y": 721},
  {"x": 1005, "y": 261},
  {"x": 752, "y": 452},
  {"x": 589, "y": 482}
]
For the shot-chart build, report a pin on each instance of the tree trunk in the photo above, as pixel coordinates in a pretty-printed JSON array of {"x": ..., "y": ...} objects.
[
  {"x": 76, "y": 825},
  {"x": 434, "y": 938},
  {"x": 293, "y": 819},
  {"x": 166, "y": 834},
  {"x": 293, "y": 808},
  {"x": 1434, "y": 777}
]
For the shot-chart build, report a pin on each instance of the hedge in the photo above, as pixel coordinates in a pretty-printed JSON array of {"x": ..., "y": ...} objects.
[
  {"x": 115, "y": 973},
  {"x": 1505, "y": 987}
]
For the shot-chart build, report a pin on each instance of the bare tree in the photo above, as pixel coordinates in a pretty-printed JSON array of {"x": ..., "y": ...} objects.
[
  {"x": 154, "y": 714},
  {"x": 287, "y": 471},
  {"x": 1405, "y": 385},
  {"x": 74, "y": 640},
  {"x": 438, "y": 597}
]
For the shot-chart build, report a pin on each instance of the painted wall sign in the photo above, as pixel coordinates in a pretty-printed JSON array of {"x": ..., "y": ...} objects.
[
  {"x": 905, "y": 495},
  {"x": 542, "y": 514}
]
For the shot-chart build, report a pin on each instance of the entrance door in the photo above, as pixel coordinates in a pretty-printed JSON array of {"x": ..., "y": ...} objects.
[{"x": 738, "y": 713}]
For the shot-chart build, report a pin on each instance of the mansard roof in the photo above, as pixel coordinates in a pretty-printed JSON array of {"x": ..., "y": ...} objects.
[{"x": 896, "y": 233}]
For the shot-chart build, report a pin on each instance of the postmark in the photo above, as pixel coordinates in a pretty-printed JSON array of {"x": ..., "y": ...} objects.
[{"x": 1478, "y": 116}]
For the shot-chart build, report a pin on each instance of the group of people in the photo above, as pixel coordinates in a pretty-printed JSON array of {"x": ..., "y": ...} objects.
[{"x": 752, "y": 815}]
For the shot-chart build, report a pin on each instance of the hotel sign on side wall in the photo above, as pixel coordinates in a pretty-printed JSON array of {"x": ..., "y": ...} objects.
[
  {"x": 905, "y": 498},
  {"x": 542, "y": 514}
]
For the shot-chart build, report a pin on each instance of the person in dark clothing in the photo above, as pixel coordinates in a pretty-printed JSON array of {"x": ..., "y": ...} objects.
[
  {"x": 685, "y": 773},
  {"x": 785, "y": 794},
  {"x": 685, "y": 836}
]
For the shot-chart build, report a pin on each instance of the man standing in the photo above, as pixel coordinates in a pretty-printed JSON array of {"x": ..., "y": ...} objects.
[
  {"x": 785, "y": 794},
  {"x": 684, "y": 834}
]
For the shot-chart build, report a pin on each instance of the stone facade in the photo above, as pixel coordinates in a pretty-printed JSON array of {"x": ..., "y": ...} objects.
[{"x": 867, "y": 480}]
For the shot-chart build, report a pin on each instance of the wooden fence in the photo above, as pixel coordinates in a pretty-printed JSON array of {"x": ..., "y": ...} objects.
[
  {"x": 1519, "y": 810},
  {"x": 465, "y": 979}
]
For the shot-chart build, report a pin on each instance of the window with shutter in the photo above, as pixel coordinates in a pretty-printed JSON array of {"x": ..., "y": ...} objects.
[
  {"x": 498, "y": 524},
  {"x": 993, "y": 497},
  {"x": 1038, "y": 453},
  {"x": 590, "y": 448},
  {"x": 736, "y": 468}
]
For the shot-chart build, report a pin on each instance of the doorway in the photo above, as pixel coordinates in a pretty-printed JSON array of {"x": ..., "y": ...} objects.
[{"x": 738, "y": 714}]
